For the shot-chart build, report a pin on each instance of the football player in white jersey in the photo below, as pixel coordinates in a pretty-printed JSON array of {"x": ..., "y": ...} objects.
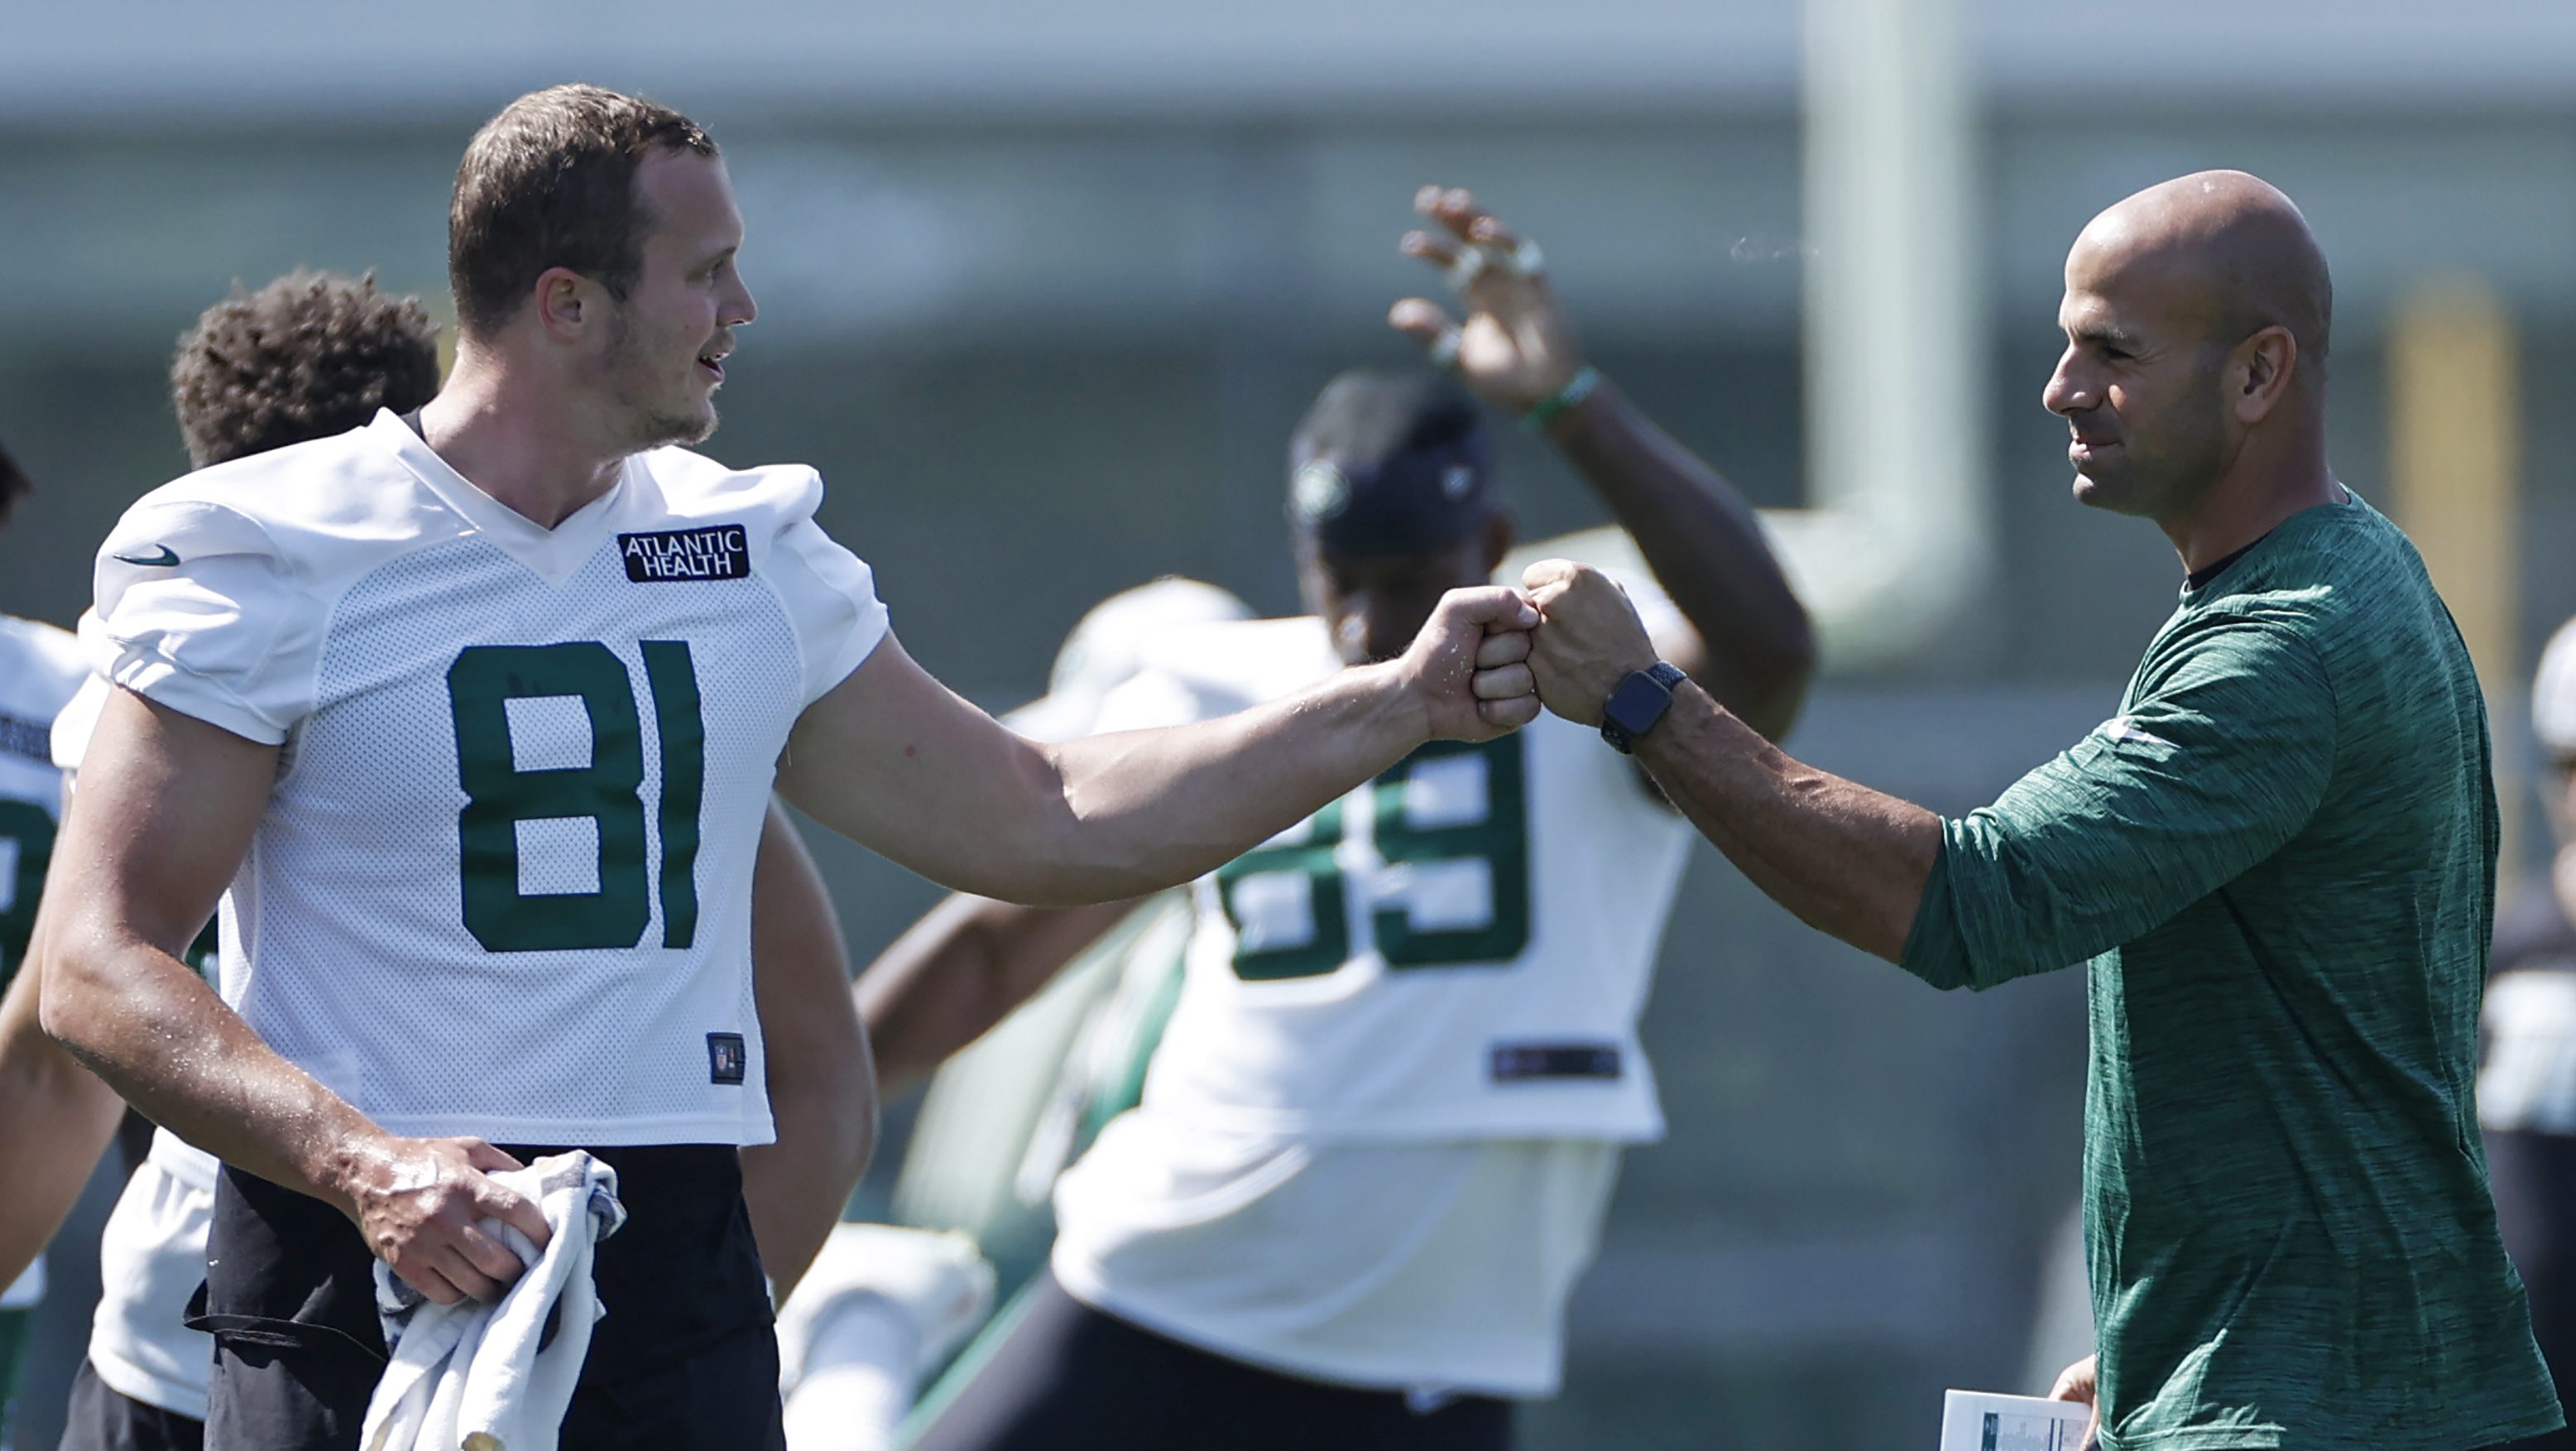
[
  {"x": 1378, "y": 1135},
  {"x": 40, "y": 669},
  {"x": 308, "y": 356},
  {"x": 471, "y": 727}
]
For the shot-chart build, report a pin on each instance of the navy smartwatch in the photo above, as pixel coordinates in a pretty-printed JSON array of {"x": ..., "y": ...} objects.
[{"x": 1637, "y": 704}]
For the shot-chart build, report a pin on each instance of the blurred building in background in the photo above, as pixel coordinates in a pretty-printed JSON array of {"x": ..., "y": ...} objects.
[{"x": 1043, "y": 288}]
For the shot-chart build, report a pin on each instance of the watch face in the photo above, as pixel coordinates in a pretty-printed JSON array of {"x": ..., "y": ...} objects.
[{"x": 1637, "y": 703}]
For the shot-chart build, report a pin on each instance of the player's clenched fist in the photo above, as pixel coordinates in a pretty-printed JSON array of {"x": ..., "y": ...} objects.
[
  {"x": 419, "y": 1203},
  {"x": 1469, "y": 665},
  {"x": 1588, "y": 640}
]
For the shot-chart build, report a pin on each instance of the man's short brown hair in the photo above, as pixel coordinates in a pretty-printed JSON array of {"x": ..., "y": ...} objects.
[
  {"x": 550, "y": 182},
  {"x": 309, "y": 355}
]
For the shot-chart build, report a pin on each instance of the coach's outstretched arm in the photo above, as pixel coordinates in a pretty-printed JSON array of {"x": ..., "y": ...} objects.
[
  {"x": 894, "y": 760},
  {"x": 2206, "y": 775},
  {"x": 165, "y": 813}
]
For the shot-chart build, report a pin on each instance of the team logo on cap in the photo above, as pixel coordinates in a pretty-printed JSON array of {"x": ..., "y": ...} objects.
[
  {"x": 1455, "y": 481},
  {"x": 1319, "y": 491}
]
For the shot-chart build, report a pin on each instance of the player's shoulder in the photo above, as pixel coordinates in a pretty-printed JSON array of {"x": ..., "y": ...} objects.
[
  {"x": 40, "y": 668},
  {"x": 304, "y": 505},
  {"x": 698, "y": 491}
]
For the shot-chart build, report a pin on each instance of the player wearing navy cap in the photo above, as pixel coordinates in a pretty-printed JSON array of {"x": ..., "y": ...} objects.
[{"x": 1377, "y": 1137}]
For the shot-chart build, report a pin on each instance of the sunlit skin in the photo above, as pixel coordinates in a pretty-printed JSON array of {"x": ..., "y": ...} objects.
[
  {"x": 543, "y": 411},
  {"x": 668, "y": 339},
  {"x": 2193, "y": 379},
  {"x": 1375, "y": 604}
]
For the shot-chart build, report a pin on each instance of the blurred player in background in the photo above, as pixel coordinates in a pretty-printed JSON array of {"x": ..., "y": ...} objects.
[
  {"x": 1380, "y": 1129},
  {"x": 309, "y": 356},
  {"x": 613, "y": 648},
  {"x": 2527, "y": 1085},
  {"x": 886, "y": 1303},
  {"x": 40, "y": 670}
]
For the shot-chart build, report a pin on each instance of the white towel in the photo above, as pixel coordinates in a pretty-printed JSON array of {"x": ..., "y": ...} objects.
[{"x": 477, "y": 1377}]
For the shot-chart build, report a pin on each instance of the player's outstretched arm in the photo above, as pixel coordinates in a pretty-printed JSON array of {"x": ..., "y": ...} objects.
[
  {"x": 60, "y": 1118},
  {"x": 822, "y": 1088},
  {"x": 165, "y": 812},
  {"x": 894, "y": 760},
  {"x": 1744, "y": 637},
  {"x": 961, "y": 969}
]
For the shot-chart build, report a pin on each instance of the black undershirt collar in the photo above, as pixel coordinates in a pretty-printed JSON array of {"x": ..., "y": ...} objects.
[{"x": 2208, "y": 572}]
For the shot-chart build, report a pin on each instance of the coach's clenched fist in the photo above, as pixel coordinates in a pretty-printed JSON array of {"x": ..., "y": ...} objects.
[{"x": 1589, "y": 638}]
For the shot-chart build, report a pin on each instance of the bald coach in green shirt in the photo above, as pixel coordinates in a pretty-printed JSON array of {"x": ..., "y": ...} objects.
[{"x": 2279, "y": 859}]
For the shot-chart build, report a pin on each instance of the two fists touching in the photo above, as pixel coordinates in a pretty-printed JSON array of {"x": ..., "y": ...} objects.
[{"x": 1489, "y": 658}]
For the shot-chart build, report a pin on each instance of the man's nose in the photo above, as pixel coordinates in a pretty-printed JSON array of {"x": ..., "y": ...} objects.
[{"x": 2066, "y": 393}]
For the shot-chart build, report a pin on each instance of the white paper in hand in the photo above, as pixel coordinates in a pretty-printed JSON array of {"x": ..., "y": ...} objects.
[{"x": 1980, "y": 1421}]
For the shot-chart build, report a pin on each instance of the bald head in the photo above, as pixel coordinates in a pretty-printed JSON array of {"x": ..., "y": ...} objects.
[
  {"x": 2195, "y": 316},
  {"x": 2224, "y": 244}
]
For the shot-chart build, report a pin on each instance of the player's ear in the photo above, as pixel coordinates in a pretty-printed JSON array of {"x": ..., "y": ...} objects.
[
  {"x": 1500, "y": 533},
  {"x": 563, "y": 302}
]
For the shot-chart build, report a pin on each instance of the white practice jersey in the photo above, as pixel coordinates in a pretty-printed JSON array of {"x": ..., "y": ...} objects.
[
  {"x": 503, "y": 883},
  {"x": 1379, "y": 1133},
  {"x": 40, "y": 669},
  {"x": 1459, "y": 948}
]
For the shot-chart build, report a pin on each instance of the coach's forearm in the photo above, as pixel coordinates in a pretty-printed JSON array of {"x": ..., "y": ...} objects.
[
  {"x": 60, "y": 1118},
  {"x": 1145, "y": 810},
  {"x": 1849, "y": 861},
  {"x": 148, "y": 1025}
]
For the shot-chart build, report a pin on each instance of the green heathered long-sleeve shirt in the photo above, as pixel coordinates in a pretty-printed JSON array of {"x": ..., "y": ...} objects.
[{"x": 2280, "y": 860}]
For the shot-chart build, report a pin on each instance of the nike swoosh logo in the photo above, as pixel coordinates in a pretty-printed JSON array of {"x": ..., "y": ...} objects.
[{"x": 164, "y": 560}]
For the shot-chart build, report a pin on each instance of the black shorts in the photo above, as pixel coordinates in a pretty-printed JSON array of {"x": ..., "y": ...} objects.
[
  {"x": 102, "y": 1418},
  {"x": 2534, "y": 1177},
  {"x": 686, "y": 1356},
  {"x": 1065, "y": 1377}
]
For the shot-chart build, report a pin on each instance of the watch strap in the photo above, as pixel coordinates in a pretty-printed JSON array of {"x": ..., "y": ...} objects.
[{"x": 1637, "y": 704}]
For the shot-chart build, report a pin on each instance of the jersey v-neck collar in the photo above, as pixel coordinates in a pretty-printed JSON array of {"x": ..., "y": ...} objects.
[{"x": 553, "y": 555}]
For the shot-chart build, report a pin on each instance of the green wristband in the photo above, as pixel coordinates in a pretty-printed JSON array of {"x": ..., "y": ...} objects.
[{"x": 1576, "y": 389}]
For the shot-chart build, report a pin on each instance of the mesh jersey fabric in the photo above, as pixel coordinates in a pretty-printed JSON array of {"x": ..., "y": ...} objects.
[
  {"x": 1458, "y": 948},
  {"x": 2280, "y": 860},
  {"x": 502, "y": 886},
  {"x": 1352, "y": 1161}
]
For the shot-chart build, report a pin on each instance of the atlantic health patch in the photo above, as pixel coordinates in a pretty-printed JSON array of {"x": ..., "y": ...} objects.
[{"x": 686, "y": 556}]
